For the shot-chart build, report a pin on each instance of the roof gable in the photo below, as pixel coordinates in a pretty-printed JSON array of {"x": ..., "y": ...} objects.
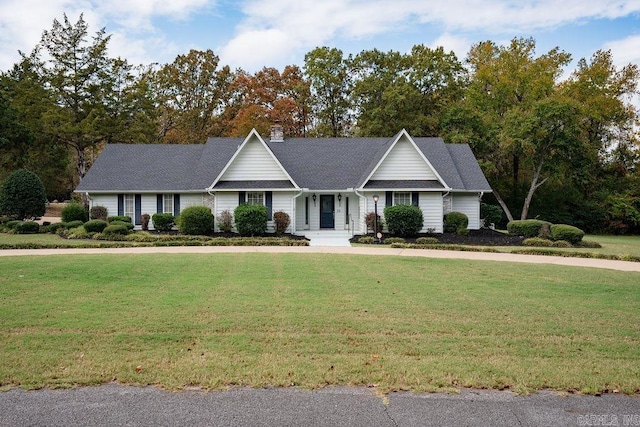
[
  {"x": 403, "y": 160},
  {"x": 253, "y": 161}
]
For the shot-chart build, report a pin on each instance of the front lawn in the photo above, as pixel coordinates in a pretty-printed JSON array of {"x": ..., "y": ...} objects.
[{"x": 311, "y": 320}]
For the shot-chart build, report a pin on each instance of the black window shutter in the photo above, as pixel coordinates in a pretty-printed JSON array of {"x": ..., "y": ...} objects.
[
  {"x": 159, "y": 202},
  {"x": 138, "y": 209},
  {"x": 415, "y": 198},
  {"x": 176, "y": 204},
  {"x": 268, "y": 201},
  {"x": 242, "y": 197},
  {"x": 388, "y": 200},
  {"x": 120, "y": 204}
]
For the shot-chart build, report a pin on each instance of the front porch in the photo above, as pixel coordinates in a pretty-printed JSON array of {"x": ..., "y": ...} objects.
[
  {"x": 327, "y": 237},
  {"x": 327, "y": 212}
]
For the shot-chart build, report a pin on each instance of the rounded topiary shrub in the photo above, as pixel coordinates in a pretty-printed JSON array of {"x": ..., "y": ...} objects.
[
  {"x": 98, "y": 212},
  {"x": 95, "y": 226},
  {"x": 27, "y": 227},
  {"x": 282, "y": 221},
  {"x": 526, "y": 227},
  {"x": 403, "y": 220},
  {"x": 118, "y": 229},
  {"x": 454, "y": 221},
  {"x": 569, "y": 233},
  {"x": 22, "y": 195},
  {"x": 251, "y": 220},
  {"x": 163, "y": 222},
  {"x": 196, "y": 220},
  {"x": 55, "y": 226},
  {"x": 123, "y": 223},
  {"x": 74, "y": 212}
]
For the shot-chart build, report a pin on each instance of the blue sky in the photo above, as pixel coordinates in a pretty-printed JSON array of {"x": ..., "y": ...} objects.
[{"x": 251, "y": 34}]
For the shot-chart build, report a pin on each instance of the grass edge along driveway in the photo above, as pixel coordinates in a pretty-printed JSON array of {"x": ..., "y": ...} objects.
[{"x": 311, "y": 320}]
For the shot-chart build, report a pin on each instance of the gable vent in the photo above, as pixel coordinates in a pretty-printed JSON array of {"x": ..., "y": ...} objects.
[{"x": 277, "y": 133}]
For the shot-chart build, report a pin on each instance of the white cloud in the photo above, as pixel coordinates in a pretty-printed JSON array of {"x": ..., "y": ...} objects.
[
  {"x": 625, "y": 51},
  {"x": 459, "y": 45}
]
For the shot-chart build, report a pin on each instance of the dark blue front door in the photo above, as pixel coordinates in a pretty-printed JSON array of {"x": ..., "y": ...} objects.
[{"x": 327, "y": 207}]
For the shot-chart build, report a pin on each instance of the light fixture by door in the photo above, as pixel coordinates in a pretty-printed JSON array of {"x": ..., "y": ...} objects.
[{"x": 314, "y": 199}]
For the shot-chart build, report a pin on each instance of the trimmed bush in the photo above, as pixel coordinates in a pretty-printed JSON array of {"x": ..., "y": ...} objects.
[
  {"x": 537, "y": 241},
  {"x": 55, "y": 226},
  {"x": 251, "y": 220},
  {"x": 125, "y": 218},
  {"x": 569, "y": 233},
  {"x": 367, "y": 240},
  {"x": 74, "y": 212},
  {"x": 453, "y": 221},
  {"x": 27, "y": 227},
  {"x": 196, "y": 220},
  {"x": 492, "y": 214},
  {"x": 282, "y": 221},
  {"x": 369, "y": 220},
  {"x": 403, "y": 220},
  {"x": 98, "y": 212},
  {"x": 392, "y": 240},
  {"x": 77, "y": 233},
  {"x": 11, "y": 225},
  {"x": 72, "y": 224},
  {"x": 526, "y": 227},
  {"x": 124, "y": 223},
  {"x": 117, "y": 229},
  {"x": 22, "y": 195},
  {"x": 163, "y": 221},
  {"x": 95, "y": 225},
  {"x": 427, "y": 241},
  {"x": 225, "y": 221}
]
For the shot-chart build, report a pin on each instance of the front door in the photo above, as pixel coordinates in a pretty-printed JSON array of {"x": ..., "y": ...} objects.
[{"x": 327, "y": 214}]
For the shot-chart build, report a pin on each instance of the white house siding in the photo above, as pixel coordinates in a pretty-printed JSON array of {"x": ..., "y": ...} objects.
[
  {"x": 191, "y": 199},
  {"x": 225, "y": 201},
  {"x": 109, "y": 201},
  {"x": 469, "y": 205},
  {"x": 404, "y": 162},
  {"x": 254, "y": 162},
  {"x": 281, "y": 201},
  {"x": 431, "y": 205}
]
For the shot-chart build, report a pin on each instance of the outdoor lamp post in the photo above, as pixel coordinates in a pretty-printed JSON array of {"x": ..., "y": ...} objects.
[{"x": 375, "y": 216}]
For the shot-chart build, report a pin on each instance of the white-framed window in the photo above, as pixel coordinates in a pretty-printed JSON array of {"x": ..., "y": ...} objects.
[
  {"x": 255, "y": 198},
  {"x": 167, "y": 204},
  {"x": 128, "y": 205},
  {"x": 402, "y": 198}
]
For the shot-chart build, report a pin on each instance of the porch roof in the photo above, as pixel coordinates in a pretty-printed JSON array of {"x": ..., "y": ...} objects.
[{"x": 402, "y": 184}]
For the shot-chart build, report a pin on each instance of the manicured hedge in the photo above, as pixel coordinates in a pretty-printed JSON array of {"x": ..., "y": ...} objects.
[
  {"x": 427, "y": 241},
  {"x": 566, "y": 232},
  {"x": 455, "y": 222},
  {"x": 163, "y": 221},
  {"x": 27, "y": 227},
  {"x": 251, "y": 220},
  {"x": 125, "y": 218},
  {"x": 123, "y": 223},
  {"x": 115, "y": 229},
  {"x": 526, "y": 227},
  {"x": 95, "y": 226},
  {"x": 196, "y": 220},
  {"x": 403, "y": 220},
  {"x": 74, "y": 212}
]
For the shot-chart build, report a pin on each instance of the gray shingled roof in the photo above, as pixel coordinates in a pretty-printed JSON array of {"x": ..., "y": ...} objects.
[{"x": 314, "y": 163}]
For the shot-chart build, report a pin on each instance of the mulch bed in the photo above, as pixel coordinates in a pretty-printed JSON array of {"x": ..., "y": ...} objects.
[{"x": 482, "y": 237}]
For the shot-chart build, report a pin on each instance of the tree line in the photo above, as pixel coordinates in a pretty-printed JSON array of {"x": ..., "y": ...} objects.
[{"x": 558, "y": 145}]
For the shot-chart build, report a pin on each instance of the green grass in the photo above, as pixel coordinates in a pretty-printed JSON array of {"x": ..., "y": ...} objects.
[
  {"x": 312, "y": 320},
  {"x": 44, "y": 239}
]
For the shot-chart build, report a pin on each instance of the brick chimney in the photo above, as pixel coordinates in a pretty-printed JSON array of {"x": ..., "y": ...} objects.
[{"x": 277, "y": 133}]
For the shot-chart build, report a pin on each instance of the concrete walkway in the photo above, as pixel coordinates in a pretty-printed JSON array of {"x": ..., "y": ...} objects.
[{"x": 373, "y": 250}]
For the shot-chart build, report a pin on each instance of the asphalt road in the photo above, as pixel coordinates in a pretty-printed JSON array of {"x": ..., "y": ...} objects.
[{"x": 118, "y": 405}]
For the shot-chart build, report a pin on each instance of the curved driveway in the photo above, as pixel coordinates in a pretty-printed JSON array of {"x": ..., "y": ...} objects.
[{"x": 427, "y": 253}]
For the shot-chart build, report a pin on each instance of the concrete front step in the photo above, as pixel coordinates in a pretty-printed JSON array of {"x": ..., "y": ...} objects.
[{"x": 328, "y": 238}]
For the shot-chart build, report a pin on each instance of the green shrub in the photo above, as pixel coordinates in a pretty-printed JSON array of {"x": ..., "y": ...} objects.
[
  {"x": 196, "y": 220},
  {"x": 526, "y": 227},
  {"x": 22, "y": 195},
  {"x": 251, "y": 220},
  {"x": 27, "y": 227},
  {"x": 370, "y": 221},
  {"x": 163, "y": 221},
  {"x": 537, "y": 241},
  {"x": 427, "y": 241},
  {"x": 462, "y": 231},
  {"x": 492, "y": 214},
  {"x": 225, "y": 221},
  {"x": 74, "y": 212},
  {"x": 282, "y": 221},
  {"x": 77, "y": 233},
  {"x": 98, "y": 212},
  {"x": 562, "y": 244},
  {"x": 367, "y": 240},
  {"x": 569, "y": 233},
  {"x": 95, "y": 225},
  {"x": 403, "y": 220},
  {"x": 117, "y": 229},
  {"x": 72, "y": 224},
  {"x": 454, "y": 221},
  {"x": 11, "y": 225},
  {"x": 55, "y": 226},
  {"x": 125, "y": 218},
  {"x": 391, "y": 240},
  {"x": 123, "y": 223}
]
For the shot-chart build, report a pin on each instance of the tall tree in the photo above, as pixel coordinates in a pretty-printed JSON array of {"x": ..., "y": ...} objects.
[{"x": 328, "y": 74}]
